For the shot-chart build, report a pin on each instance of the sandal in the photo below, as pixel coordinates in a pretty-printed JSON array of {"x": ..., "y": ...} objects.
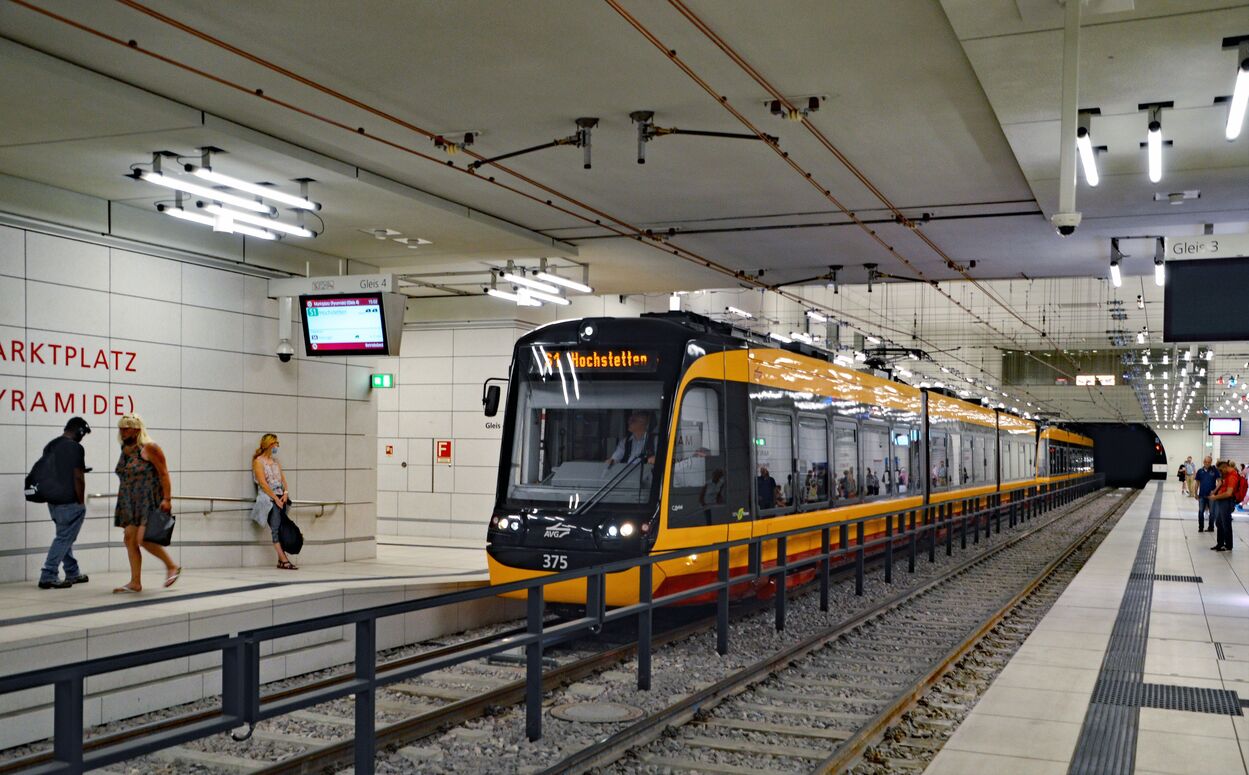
[
  {"x": 172, "y": 577},
  {"x": 126, "y": 588},
  {"x": 286, "y": 565}
]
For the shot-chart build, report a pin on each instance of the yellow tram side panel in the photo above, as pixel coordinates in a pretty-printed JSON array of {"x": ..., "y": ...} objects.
[{"x": 1068, "y": 437}]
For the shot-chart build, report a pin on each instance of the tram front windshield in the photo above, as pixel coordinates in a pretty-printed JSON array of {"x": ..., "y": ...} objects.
[{"x": 584, "y": 441}]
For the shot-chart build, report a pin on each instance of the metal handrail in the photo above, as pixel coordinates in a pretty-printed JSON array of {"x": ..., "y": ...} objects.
[
  {"x": 240, "y": 654},
  {"x": 214, "y": 499}
]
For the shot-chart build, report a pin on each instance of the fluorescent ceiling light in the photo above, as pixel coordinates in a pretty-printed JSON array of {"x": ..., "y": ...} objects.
[
  {"x": 513, "y": 297},
  {"x": 779, "y": 337},
  {"x": 1154, "y": 142},
  {"x": 1115, "y": 277},
  {"x": 1160, "y": 273},
  {"x": 177, "y": 184},
  {"x": 207, "y": 173},
  {"x": 564, "y": 281},
  {"x": 256, "y": 220},
  {"x": 1240, "y": 100},
  {"x": 1084, "y": 144},
  {"x": 520, "y": 279},
  {"x": 179, "y": 213},
  {"x": 871, "y": 340},
  {"x": 816, "y": 316},
  {"x": 548, "y": 297},
  {"x": 225, "y": 225},
  {"x": 741, "y": 313}
]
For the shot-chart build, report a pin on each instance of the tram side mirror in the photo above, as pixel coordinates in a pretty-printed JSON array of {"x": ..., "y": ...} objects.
[{"x": 490, "y": 400}]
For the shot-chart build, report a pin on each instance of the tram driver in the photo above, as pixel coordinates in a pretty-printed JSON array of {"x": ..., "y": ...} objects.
[{"x": 639, "y": 444}]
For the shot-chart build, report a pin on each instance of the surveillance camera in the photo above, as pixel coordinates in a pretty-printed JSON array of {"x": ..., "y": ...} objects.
[
  {"x": 284, "y": 351},
  {"x": 1066, "y": 223}
]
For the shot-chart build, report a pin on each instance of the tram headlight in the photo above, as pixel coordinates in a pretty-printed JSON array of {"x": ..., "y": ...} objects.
[
  {"x": 612, "y": 531},
  {"x": 626, "y": 529}
]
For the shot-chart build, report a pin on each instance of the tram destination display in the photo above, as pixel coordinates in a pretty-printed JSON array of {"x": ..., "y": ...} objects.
[
  {"x": 608, "y": 359},
  {"x": 344, "y": 325}
]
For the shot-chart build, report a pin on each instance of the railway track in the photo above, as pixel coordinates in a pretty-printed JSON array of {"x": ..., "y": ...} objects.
[{"x": 823, "y": 704}]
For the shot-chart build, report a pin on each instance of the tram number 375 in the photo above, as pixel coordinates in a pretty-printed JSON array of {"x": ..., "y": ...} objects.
[{"x": 555, "y": 561}]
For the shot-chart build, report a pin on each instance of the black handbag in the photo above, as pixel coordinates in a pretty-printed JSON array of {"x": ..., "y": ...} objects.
[
  {"x": 159, "y": 529},
  {"x": 290, "y": 537}
]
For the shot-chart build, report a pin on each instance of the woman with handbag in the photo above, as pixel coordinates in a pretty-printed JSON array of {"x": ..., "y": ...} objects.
[
  {"x": 144, "y": 494},
  {"x": 272, "y": 494}
]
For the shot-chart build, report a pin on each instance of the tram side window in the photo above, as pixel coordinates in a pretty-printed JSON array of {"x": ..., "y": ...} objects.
[
  {"x": 965, "y": 457},
  {"x": 845, "y": 458},
  {"x": 813, "y": 459},
  {"x": 979, "y": 459},
  {"x": 698, "y": 480},
  {"x": 1008, "y": 460},
  {"x": 938, "y": 468},
  {"x": 875, "y": 457},
  {"x": 774, "y": 455},
  {"x": 900, "y": 472}
]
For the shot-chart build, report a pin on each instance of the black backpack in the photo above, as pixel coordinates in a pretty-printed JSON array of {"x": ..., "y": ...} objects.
[
  {"x": 41, "y": 487},
  {"x": 289, "y": 535}
]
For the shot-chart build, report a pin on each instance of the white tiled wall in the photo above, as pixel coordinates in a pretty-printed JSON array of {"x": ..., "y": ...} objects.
[
  {"x": 206, "y": 382},
  {"x": 439, "y": 377}
]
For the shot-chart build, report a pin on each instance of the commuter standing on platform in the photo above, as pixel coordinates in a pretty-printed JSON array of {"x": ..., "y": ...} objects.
[
  {"x": 1206, "y": 478},
  {"x": 143, "y": 489},
  {"x": 272, "y": 494},
  {"x": 1179, "y": 474},
  {"x": 1189, "y": 470},
  {"x": 67, "y": 501},
  {"x": 1222, "y": 502}
]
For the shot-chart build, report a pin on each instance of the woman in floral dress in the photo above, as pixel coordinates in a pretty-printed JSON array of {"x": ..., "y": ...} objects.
[{"x": 144, "y": 488}]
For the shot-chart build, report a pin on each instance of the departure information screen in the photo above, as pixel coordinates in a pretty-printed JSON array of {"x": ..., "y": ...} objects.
[{"x": 343, "y": 325}]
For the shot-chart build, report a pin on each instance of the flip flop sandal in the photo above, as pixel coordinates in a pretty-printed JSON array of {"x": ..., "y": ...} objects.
[
  {"x": 127, "y": 588},
  {"x": 170, "y": 579}
]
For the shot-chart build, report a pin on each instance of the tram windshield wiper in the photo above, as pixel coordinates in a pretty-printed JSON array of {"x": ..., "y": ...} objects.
[{"x": 606, "y": 488}]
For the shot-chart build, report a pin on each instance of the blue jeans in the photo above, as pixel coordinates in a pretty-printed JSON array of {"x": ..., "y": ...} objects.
[
  {"x": 1205, "y": 509},
  {"x": 68, "y": 520}
]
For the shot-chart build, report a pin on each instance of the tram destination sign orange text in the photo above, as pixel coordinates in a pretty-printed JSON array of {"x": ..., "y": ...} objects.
[{"x": 604, "y": 360}]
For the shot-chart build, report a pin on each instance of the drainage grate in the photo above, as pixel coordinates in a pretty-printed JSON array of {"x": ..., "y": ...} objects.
[
  {"x": 1167, "y": 697},
  {"x": 1165, "y": 577}
]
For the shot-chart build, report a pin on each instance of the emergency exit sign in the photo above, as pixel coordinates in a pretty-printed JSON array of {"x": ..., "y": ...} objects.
[{"x": 383, "y": 380}]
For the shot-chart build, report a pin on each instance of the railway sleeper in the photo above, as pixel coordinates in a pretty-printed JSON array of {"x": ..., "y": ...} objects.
[{"x": 744, "y": 746}]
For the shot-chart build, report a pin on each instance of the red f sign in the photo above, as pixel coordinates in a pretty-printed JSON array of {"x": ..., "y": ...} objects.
[{"x": 442, "y": 451}]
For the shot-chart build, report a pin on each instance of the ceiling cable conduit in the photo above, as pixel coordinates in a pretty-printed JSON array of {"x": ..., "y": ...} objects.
[
  {"x": 623, "y": 227},
  {"x": 899, "y": 216}
]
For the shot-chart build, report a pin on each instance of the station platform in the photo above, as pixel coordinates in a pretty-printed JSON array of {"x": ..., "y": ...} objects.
[
  {"x": 45, "y": 628},
  {"x": 1141, "y": 666}
]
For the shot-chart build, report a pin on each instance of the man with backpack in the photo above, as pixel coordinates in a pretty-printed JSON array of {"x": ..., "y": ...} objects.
[{"x": 59, "y": 479}]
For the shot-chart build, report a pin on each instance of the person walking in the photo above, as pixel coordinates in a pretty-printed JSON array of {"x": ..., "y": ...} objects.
[
  {"x": 272, "y": 494},
  {"x": 1223, "y": 498},
  {"x": 1189, "y": 470},
  {"x": 1207, "y": 476},
  {"x": 1180, "y": 474},
  {"x": 67, "y": 504},
  {"x": 144, "y": 487}
]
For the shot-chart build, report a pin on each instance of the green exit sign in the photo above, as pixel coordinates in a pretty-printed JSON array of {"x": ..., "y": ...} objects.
[{"x": 383, "y": 380}]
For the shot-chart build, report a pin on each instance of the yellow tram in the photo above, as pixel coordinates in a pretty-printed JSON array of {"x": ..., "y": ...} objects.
[{"x": 625, "y": 437}]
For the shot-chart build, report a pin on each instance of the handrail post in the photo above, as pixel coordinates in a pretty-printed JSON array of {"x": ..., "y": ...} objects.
[
  {"x": 722, "y": 604},
  {"x": 932, "y": 524},
  {"x": 997, "y": 514},
  {"x": 234, "y": 681},
  {"x": 594, "y": 596},
  {"x": 645, "y": 576},
  {"x": 533, "y": 666},
  {"x": 824, "y": 566},
  {"x": 67, "y": 722},
  {"x": 366, "y": 699},
  {"x": 947, "y": 517},
  {"x": 889, "y": 548},
  {"x": 914, "y": 533},
  {"x": 782, "y": 544},
  {"x": 858, "y": 560}
]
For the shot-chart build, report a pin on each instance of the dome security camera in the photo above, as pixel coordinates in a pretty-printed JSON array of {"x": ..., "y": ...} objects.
[
  {"x": 1065, "y": 223},
  {"x": 285, "y": 351}
]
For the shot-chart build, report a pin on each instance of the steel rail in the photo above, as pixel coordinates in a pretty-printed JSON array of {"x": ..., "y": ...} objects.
[{"x": 652, "y": 726}]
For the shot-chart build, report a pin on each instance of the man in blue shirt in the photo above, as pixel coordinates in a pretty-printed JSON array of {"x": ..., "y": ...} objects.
[{"x": 1206, "y": 477}]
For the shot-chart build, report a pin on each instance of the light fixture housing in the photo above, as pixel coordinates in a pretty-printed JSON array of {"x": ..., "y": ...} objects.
[
  {"x": 528, "y": 282},
  {"x": 211, "y": 194},
  {"x": 1088, "y": 154},
  {"x": 271, "y": 224},
  {"x": 1153, "y": 142},
  {"x": 1240, "y": 95},
  {"x": 564, "y": 281},
  {"x": 1116, "y": 278}
]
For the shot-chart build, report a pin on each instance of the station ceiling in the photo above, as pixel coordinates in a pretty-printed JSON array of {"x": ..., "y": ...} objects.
[{"x": 944, "y": 112}]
